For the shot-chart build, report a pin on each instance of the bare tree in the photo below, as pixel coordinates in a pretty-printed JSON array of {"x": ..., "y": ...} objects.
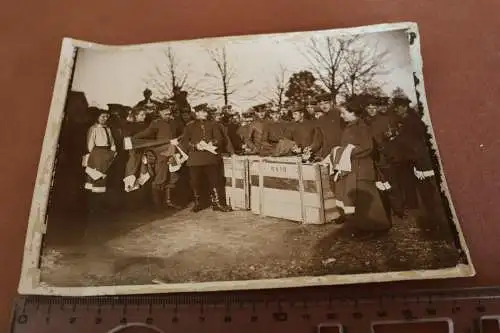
[
  {"x": 363, "y": 63},
  {"x": 279, "y": 86},
  {"x": 327, "y": 57},
  {"x": 168, "y": 75},
  {"x": 226, "y": 75}
]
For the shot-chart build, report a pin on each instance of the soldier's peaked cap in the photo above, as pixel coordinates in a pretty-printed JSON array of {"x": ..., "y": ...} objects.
[
  {"x": 401, "y": 101},
  {"x": 166, "y": 105},
  {"x": 201, "y": 107},
  {"x": 260, "y": 107},
  {"x": 326, "y": 97}
]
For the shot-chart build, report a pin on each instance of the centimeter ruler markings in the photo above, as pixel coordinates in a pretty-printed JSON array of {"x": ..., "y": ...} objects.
[{"x": 462, "y": 310}]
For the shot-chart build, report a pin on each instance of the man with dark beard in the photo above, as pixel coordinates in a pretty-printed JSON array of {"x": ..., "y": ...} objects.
[{"x": 203, "y": 139}]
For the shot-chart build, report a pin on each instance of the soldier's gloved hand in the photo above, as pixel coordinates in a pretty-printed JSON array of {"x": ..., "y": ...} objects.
[
  {"x": 174, "y": 142},
  {"x": 199, "y": 146}
]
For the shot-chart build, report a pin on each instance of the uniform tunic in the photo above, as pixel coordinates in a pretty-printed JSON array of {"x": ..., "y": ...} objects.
[
  {"x": 355, "y": 190},
  {"x": 199, "y": 130},
  {"x": 305, "y": 134},
  {"x": 158, "y": 129},
  {"x": 272, "y": 134},
  {"x": 330, "y": 128},
  {"x": 161, "y": 129},
  {"x": 203, "y": 164},
  {"x": 129, "y": 128},
  {"x": 387, "y": 158},
  {"x": 253, "y": 138},
  {"x": 227, "y": 144},
  {"x": 413, "y": 140},
  {"x": 234, "y": 136}
]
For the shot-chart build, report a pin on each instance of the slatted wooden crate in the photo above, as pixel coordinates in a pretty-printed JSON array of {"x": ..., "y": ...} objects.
[
  {"x": 237, "y": 182},
  {"x": 288, "y": 189}
]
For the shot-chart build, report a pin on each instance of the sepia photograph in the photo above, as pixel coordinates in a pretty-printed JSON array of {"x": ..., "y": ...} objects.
[{"x": 244, "y": 162}]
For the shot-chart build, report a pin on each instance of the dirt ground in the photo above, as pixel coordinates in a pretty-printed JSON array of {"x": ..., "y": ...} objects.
[{"x": 139, "y": 247}]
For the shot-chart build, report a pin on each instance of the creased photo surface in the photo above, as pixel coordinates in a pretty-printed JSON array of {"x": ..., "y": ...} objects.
[{"x": 245, "y": 162}]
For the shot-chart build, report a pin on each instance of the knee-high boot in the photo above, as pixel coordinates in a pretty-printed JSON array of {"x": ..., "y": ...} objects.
[
  {"x": 197, "y": 204},
  {"x": 217, "y": 204},
  {"x": 168, "y": 199}
]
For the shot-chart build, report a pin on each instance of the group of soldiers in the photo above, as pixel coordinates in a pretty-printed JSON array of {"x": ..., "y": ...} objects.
[{"x": 163, "y": 139}]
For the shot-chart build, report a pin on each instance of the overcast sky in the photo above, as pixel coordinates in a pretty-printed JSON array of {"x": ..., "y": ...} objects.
[{"x": 120, "y": 76}]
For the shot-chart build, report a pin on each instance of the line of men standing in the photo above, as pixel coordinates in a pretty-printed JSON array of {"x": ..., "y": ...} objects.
[{"x": 159, "y": 132}]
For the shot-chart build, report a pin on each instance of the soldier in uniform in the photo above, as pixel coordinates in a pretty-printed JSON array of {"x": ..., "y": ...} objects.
[
  {"x": 226, "y": 146},
  {"x": 274, "y": 131},
  {"x": 203, "y": 139},
  {"x": 305, "y": 133},
  {"x": 233, "y": 128},
  {"x": 385, "y": 156},
  {"x": 253, "y": 139},
  {"x": 164, "y": 128},
  {"x": 310, "y": 110},
  {"x": 330, "y": 125},
  {"x": 418, "y": 173}
]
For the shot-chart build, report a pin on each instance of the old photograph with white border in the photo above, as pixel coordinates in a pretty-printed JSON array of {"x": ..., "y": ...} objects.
[{"x": 246, "y": 162}]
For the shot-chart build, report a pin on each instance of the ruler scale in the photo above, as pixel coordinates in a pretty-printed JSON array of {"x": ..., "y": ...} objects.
[{"x": 462, "y": 310}]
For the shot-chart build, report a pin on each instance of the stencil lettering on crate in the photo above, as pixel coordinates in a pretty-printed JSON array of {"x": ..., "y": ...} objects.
[{"x": 282, "y": 176}]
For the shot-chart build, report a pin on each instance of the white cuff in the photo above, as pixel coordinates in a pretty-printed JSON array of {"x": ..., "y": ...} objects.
[
  {"x": 85, "y": 160},
  {"x": 127, "y": 143}
]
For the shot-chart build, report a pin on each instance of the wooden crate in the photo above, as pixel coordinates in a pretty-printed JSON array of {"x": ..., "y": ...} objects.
[
  {"x": 288, "y": 189},
  {"x": 237, "y": 182}
]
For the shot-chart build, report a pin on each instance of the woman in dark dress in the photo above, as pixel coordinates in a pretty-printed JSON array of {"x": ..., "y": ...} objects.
[{"x": 357, "y": 196}]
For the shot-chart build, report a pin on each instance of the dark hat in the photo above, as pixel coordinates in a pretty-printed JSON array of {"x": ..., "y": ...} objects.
[
  {"x": 317, "y": 109},
  {"x": 384, "y": 100},
  {"x": 371, "y": 100},
  {"x": 260, "y": 107},
  {"x": 297, "y": 108},
  {"x": 213, "y": 110},
  {"x": 405, "y": 101},
  {"x": 166, "y": 105},
  {"x": 356, "y": 103},
  {"x": 147, "y": 91},
  {"x": 103, "y": 111},
  {"x": 325, "y": 97},
  {"x": 201, "y": 107}
]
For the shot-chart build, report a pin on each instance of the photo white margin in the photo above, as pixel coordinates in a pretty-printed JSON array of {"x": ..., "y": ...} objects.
[{"x": 30, "y": 283}]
